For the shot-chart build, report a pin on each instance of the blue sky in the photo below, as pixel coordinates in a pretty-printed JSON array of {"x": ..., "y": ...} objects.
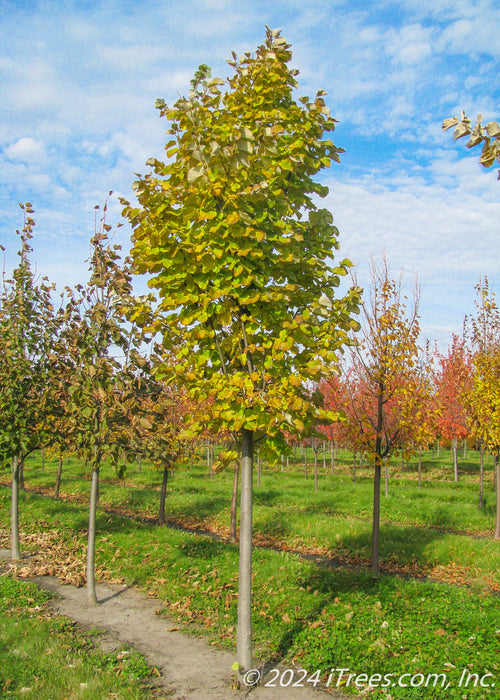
[{"x": 78, "y": 82}]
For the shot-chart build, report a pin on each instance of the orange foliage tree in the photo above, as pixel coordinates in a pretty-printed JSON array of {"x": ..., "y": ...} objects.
[{"x": 451, "y": 382}]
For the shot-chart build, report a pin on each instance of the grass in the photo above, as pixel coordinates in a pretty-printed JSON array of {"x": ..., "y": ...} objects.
[
  {"x": 307, "y": 614},
  {"x": 43, "y": 657}
]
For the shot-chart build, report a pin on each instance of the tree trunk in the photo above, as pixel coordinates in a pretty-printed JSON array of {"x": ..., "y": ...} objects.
[
  {"x": 21, "y": 472},
  {"x": 14, "y": 516},
  {"x": 94, "y": 497},
  {"x": 375, "y": 563},
  {"x": 332, "y": 457},
  {"x": 419, "y": 467},
  {"x": 455, "y": 459},
  {"x": 244, "y": 635},
  {"x": 59, "y": 475},
  {"x": 316, "y": 469},
  {"x": 481, "y": 477},
  {"x": 163, "y": 495},
  {"x": 233, "y": 534},
  {"x": 496, "y": 462},
  {"x": 386, "y": 479},
  {"x": 354, "y": 467},
  {"x": 305, "y": 461}
]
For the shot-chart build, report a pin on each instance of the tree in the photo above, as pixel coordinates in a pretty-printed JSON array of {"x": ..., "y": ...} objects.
[
  {"x": 28, "y": 328},
  {"x": 107, "y": 364},
  {"x": 381, "y": 380},
  {"x": 160, "y": 430},
  {"x": 238, "y": 252},
  {"x": 484, "y": 392},
  {"x": 488, "y": 136},
  {"x": 451, "y": 384}
]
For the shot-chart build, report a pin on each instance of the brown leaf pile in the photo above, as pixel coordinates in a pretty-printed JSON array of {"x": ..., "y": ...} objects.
[{"x": 49, "y": 554}]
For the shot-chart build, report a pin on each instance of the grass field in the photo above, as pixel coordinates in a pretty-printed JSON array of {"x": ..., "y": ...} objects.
[{"x": 323, "y": 613}]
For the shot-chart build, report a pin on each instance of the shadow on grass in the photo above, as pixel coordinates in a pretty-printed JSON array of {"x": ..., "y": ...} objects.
[
  {"x": 205, "y": 505},
  {"x": 398, "y": 544},
  {"x": 267, "y": 497},
  {"x": 331, "y": 584},
  {"x": 204, "y": 548}
]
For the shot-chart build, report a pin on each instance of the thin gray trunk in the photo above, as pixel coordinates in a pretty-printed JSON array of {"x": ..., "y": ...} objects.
[
  {"x": 481, "y": 477},
  {"x": 58, "y": 476},
  {"x": 94, "y": 497},
  {"x": 455, "y": 459},
  {"x": 21, "y": 472},
  {"x": 233, "y": 534},
  {"x": 332, "y": 458},
  {"x": 354, "y": 467},
  {"x": 163, "y": 495},
  {"x": 244, "y": 635},
  {"x": 14, "y": 513},
  {"x": 496, "y": 462},
  {"x": 316, "y": 469},
  {"x": 375, "y": 563},
  {"x": 305, "y": 461}
]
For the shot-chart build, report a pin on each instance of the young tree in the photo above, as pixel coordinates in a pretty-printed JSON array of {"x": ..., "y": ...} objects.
[
  {"x": 28, "y": 328},
  {"x": 451, "y": 383},
  {"x": 483, "y": 394},
  {"x": 107, "y": 363},
  {"x": 160, "y": 430},
  {"x": 383, "y": 374},
  {"x": 238, "y": 251}
]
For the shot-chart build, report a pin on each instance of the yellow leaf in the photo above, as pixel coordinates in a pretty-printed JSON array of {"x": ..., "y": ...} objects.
[{"x": 233, "y": 218}]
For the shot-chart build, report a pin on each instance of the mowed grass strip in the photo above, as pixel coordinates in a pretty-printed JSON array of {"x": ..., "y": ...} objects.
[
  {"x": 436, "y": 531},
  {"x": 307, "y": 615},
  {"x": 43, "y": 657}
]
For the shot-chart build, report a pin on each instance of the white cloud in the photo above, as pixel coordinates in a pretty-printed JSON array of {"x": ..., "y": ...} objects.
[
  {"x": 410, "y": 44},
  {"x": 26, "y": 149}
]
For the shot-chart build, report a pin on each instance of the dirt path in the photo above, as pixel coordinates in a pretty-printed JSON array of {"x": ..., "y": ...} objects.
[{"x": 190, "y": 668}]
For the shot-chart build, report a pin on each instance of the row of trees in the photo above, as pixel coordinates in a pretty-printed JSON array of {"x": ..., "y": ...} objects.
[
  {"x": 77, "y": 375},
  {"x": 395, "y": 396},
  {"x": 248, "y": 324}
]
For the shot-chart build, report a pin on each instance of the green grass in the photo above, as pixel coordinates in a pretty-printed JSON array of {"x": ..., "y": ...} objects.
[
  {"x": 43, "y": 657},
  {"x": 436, "y": 530},
  {"x": 306, "y": 613}
]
